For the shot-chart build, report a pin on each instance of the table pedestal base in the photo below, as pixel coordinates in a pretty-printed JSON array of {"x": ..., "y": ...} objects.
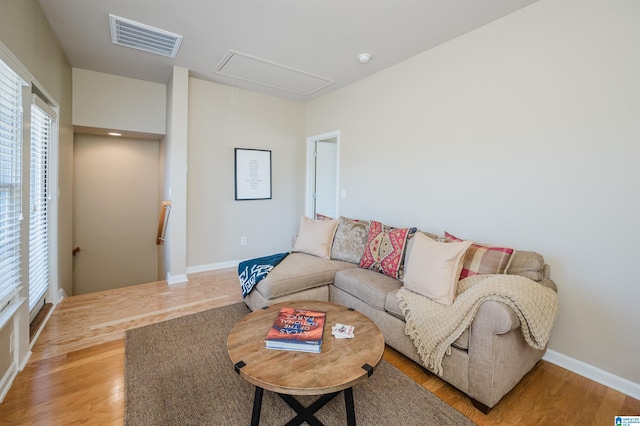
[{"x": 305, "y": 414}]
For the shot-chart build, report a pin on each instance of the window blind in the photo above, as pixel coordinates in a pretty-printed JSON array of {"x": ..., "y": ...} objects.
[
  {"x": 10, "y": 181},
  {"x": 39, "y": 202}
]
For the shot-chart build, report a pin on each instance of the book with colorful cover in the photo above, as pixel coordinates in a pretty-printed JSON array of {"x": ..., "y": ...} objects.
[{"x": 297, "y": 330}]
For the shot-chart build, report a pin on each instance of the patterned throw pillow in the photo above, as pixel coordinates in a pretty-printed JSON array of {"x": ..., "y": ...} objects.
[
  {"x": 350, "y": 239},
  {"x": 483, "y": 259},
  {"x": 384, "y": 251}
]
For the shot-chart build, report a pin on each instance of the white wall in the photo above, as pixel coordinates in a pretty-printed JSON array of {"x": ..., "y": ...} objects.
[
  {"x": 524, "y": 133},
  {"x": 112, "y": 102},
  {"x": 222, "y": 118}
]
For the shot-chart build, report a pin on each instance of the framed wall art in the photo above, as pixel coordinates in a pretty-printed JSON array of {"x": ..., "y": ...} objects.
[{"x": 252, "y": 174}]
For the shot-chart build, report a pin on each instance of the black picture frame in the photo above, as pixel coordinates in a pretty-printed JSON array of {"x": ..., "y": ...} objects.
[{"x": 252, "y": 169}]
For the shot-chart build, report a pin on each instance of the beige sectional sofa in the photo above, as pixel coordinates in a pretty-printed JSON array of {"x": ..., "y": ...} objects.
[{"x": 485, "y": 362}]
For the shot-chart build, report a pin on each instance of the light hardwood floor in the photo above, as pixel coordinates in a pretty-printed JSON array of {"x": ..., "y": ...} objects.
[{"x": 76, "y": 372}]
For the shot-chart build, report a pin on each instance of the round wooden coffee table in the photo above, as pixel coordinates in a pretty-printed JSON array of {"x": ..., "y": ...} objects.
[{"x": 341, "y": 364}]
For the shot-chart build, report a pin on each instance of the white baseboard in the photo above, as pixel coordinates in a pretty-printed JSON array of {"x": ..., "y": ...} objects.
[
  {"x": 618, "y": 383},
  {"x": 7, "y": 380},
  {"x": 24, "y": 361},
  {"x": 176, "y": 279},
  {"x": 201, "y": 268},
  {"x": 44, "y": 323},
  {"x": 212, "y": 266},
  {"x": 12, "y": 372},
  {"x": 61, "y": 294}
]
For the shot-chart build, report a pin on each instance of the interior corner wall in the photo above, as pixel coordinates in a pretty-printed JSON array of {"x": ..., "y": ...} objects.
[
  {"x": 522, "y": 133},
  {"x": 25, "y": 31},
  {"x": 162, "y": 196},
  {"x": 222, "y": 118},
  {"x": 174, "y": 152}
]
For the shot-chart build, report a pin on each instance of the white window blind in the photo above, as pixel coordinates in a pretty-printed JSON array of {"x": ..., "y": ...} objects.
[
  {"x": 10, "y": 181},
  {"x": 39, "y": 197}
]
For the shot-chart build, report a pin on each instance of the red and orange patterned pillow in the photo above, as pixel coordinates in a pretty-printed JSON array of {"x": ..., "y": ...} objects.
[
  {"x": 384, "y": 251},
  {"x": 483, "y": 259}
]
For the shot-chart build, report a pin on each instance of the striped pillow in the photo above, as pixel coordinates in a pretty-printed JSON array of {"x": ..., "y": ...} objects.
[{"x": 483, "y": 259}]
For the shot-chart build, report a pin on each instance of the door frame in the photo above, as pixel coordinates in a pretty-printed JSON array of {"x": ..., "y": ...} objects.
[{"x": 311, "y": 171}]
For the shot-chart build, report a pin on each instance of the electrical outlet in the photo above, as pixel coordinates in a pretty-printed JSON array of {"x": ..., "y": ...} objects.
[
  {"x": 11, "y": 343},
  {"x": 243, "y": 241}
]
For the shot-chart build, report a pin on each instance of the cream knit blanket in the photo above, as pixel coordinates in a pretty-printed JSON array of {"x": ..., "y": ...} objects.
[{"x": 434, "y": 327}]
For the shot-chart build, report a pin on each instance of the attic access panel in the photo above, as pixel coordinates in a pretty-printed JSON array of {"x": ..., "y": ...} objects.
[{"x": 261, "y": 71}]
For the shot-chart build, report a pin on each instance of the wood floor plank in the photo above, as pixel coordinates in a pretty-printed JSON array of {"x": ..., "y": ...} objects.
[
  {"x": 82, "y": 387},
  {"x": 76, "y": 372}
]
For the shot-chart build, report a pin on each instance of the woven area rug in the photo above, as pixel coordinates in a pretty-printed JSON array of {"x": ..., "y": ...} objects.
[{"x": 178, "y": 373}]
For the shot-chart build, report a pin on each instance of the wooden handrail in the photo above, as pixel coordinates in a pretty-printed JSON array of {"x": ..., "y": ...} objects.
[{"x": 162, "y": 222}]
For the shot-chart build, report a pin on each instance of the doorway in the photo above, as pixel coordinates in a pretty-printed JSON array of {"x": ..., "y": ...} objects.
[
  {"x": 322, "y": 175},
  {"x": 115, "y": 193}
]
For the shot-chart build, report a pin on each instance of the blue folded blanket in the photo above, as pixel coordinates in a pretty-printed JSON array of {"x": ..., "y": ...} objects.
[{"x": 252, "y": 271}]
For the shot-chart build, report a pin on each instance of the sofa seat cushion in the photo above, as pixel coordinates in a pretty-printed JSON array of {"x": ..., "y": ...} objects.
[
  {"x": 369, "y": 286},
  {"x": 393, "y": 307},
  {"x": 297, "y": 272}
]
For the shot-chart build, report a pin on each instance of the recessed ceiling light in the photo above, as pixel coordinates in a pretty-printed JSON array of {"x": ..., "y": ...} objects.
[{"x": 115, "y": 134}]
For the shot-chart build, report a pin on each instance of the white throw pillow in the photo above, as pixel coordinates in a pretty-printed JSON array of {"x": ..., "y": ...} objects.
[
  {"x": 433, "y": 268},
  {"x": 316, "y": 236}
]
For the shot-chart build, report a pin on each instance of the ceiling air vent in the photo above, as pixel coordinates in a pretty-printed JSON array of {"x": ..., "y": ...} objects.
[{"x": 143, "y": 37}]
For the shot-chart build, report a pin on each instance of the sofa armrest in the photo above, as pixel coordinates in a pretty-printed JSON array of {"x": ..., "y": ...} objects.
[
  {"x": 498, "y": 354},
  {"x": 495, "y": 318},
  {"x": 548, "y": 282}
]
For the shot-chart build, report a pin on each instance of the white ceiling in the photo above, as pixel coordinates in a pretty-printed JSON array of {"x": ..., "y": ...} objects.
[{"x": 317, "y": 37}]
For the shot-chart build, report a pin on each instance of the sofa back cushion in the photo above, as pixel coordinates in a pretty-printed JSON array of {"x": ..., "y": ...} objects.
[
  {"x": 315, "y": 237},
  {"x": 527, "y": 264},
  {"x": 350, "y": 240}
]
